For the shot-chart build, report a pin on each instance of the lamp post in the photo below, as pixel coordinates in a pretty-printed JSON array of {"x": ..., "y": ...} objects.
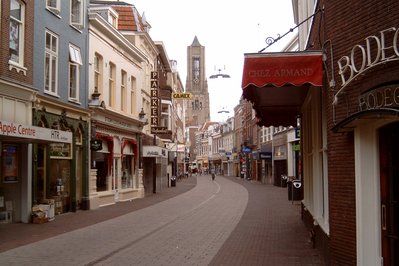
[{"x": 141, "y": 117}]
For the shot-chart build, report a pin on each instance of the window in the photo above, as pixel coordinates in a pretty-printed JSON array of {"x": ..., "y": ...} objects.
[
  {"x": 53, "y": 6},
  {"x": 98, "y": 72},
  {"x": 74, "y": 55},
  {"x": 133, "y": 85},
  {"x": 17, "y": 21},
  {"x": 315, "y": 167},
  {"x": 196, "y": 69},
  {"x": 113, "y": 19},
  {"x": 123, "y": 90},
  {"x": 77, "y": 13},
  {"x": 111, "y": 84},
  {"x": 75, "y": 59},
  {"x": 51, "y": 63}
]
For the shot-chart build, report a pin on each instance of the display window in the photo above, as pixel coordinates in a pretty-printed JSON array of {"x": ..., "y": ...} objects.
[
  {"x": 127, "y": 171},
  {"x": 9, "y": 163},
  {"x": 101, "y": 164},
  {"x": 59, "y": 184}
]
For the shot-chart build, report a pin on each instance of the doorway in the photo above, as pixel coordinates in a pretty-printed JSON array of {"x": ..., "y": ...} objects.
[{"x": 389, "y": 186}]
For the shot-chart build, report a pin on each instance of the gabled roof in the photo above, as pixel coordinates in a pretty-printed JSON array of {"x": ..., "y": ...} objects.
[{"x": 129, "y": 18}]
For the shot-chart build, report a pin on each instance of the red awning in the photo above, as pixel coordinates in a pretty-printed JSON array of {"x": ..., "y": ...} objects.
[{"x": 277, "y": 84}]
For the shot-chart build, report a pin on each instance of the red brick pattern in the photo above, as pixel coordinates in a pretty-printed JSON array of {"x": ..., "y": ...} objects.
[
  {"x": 4, "y": 54},
  {"x": 346, "y": 24}
]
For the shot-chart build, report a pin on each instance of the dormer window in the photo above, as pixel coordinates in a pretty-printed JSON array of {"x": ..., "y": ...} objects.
[{"x": 113, "y": 20}]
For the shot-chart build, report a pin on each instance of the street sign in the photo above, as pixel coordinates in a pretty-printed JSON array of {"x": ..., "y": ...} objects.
[
  {"x": 246, "y": 150},
  {"x": 185, "y": 95}
]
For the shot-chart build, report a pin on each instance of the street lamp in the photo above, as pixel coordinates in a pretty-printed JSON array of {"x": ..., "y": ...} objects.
[
  {"x": 219, "y": 75},
  {"x": 142, "y": 115},
  {"x": 145, "y": 122}
]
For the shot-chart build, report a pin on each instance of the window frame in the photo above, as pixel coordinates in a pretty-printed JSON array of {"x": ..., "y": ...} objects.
[
  {"x": 196, "y": 68},
  {"x": 113, "y": 19},
  {"x": 54, "y": 9},
  {"x": 74, "y": 55},
  {"x": 98, "y": 72},
  {"x": 123, "y": 91},
  {"x": 79, "y": 21},
  {"x": 76, "y": 67},
  {"x": 19, "y": 63},
  {"x": 133, "y": 88},
  {"x": 111, "y": 84},
  {"x": 53, "y": 74}
]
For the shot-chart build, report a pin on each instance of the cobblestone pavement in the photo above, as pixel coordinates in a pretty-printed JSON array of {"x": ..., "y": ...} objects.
[{"x": 226, "y": 222}]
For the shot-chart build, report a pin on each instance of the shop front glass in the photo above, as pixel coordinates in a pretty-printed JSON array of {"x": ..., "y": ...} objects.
[
  {"x": 127, "y": 171},
  {"x": 101, "y": 164},
  {"x": 10, "y": 182}
]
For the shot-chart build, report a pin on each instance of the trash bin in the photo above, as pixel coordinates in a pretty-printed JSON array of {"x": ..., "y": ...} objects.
[
  {"x": 173, "y": 181},
  {"x": 294, "y": 189},
  {"x": 284, "y": 180}
]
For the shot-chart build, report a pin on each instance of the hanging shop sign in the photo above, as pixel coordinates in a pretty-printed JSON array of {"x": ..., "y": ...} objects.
[
  {"x": 185, "y": 95},
  {"x": 96, "y": 145},
  {"x": 159, "y": 130},
  {"x": 11, "y": 129},
  {"x": 154, "y": 151},
  {"x": 246, "y": 150},
  {"x": 154, "y": 99},
  {"x": 375, "y": 50},
  {"x": 265, "y": 155}
]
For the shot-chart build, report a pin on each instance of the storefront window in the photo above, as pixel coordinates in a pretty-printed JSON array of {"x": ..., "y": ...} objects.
[
  {"x": 59, "y": 184},
  {"x": 127, "y": 173},
  {"x": 41, "y": 174},
  {"x": 101, "y": 164},
  {"x": 9, "y": 163}
]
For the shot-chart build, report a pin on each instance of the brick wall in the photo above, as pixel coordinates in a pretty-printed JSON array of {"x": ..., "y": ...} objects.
[
  {"x": 346, "y": 24},
  {"x": 4, "y": 42}
]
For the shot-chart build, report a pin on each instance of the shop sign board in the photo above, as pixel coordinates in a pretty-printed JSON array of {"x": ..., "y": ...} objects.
[
  {"x": 96, "y": 145},
  {"x": 154, "y": 151},
  {"x": 60, "y": 151},
  {"x": 382, "y": 97},
  {"x": 155, "y": 102},
  {"x": 375, "y": 50},
  {"x": 246, "y": 150},
  {"x": 185, "y": 95},
  {"x": 159, "y": 130},
  {"x": 11, "y": 129},
  {"x": 297, "y": 133},
  {"x": 265, "y": 155}
]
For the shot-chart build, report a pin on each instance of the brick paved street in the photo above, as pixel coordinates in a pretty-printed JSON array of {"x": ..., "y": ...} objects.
[{"x": 198, "y": 222}]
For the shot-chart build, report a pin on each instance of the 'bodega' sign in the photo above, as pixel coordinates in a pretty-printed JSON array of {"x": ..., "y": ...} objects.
[
  {"x": 383, "y": 97},
  {"x": 375, "y": 50}
]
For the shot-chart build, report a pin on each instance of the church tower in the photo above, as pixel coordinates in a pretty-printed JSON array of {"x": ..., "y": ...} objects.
[{"x": 198, "y": 111}]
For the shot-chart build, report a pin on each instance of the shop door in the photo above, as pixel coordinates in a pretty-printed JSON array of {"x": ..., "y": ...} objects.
[{"x": 389, "y": 179}]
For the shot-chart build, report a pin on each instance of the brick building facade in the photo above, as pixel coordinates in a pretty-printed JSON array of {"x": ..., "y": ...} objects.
[{"x": 349, "y": 125}]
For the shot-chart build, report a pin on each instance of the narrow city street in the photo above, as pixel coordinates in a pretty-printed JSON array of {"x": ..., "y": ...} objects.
[{"x": 228, "y": 221}]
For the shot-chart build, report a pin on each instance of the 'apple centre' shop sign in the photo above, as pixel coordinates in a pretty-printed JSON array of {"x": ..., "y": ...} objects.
[{"x": 11, "y": 129}]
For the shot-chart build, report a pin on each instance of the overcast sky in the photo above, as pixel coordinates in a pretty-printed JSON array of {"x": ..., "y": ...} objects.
[{"x": 227, "y": 31}]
